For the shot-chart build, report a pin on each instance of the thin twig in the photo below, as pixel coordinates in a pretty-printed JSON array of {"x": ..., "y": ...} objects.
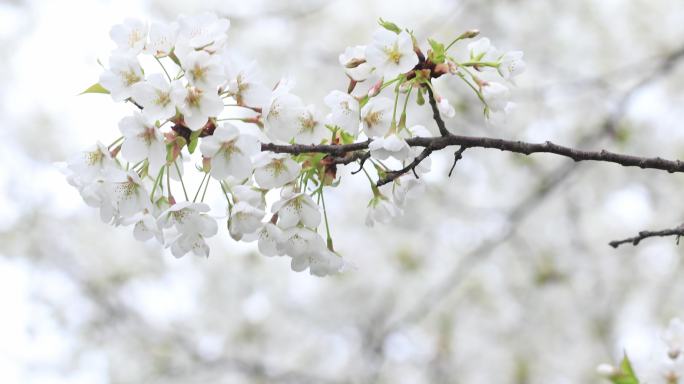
[
  {"x": 435, "y": 112},
  {"x": 458, "y": 155},
  {"x": 391, "y": 175},
  {"x": 679, "y": 231}
]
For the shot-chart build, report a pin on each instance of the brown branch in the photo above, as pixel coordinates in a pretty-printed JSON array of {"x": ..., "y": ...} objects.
[
  {"x": 458, "y": 155},
  {"x": 679, "y": 231},
  {"x": 522, "y": 147},
  {"x": 391, "y": 175},
  {"x": 435, "y": 112}
]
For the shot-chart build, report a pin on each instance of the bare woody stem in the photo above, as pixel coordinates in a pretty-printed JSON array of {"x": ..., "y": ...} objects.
[
  {"x": 679, "y": 231},
  {"x": 515, "y": 146}
]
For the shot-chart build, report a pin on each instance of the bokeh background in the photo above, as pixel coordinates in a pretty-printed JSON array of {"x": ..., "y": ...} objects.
[{"x": 499, "y": 274}]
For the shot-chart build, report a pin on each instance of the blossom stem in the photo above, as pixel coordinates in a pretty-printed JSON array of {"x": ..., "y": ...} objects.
[
  {"x": 156, "y": 183},
  {"x": 180, "y": 176},
  {"x": 393, "y": 127},
  {"x": 164, "y": 68},
  {"x": 479, "y": 64},
  {"x": 194, "y": 199},
  {"x": 168, "y": 183},
  {"x": 205, "y": 189},
  {"x": 402, "y": 119},
  {"x": 325, "y": 218},
  {"x": 225, "y": 193},
  {"x": 387, "y": 84}
]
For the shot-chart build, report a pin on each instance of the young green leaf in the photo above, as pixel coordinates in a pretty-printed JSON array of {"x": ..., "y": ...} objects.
[
  {"x": 626, "y": 374},
  {"x": 194, "y": 139},
  {"x": 437, "y": 54},
  {"x": 390, "y": 26},
  {"x": 95, "y": 88}
]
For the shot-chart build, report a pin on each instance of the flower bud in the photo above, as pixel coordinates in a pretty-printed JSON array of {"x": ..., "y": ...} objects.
[{"x": 469, "y": 34}]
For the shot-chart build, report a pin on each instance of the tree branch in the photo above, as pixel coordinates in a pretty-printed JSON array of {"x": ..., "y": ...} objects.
[
  {"x": 522, "y": 147},
  {"x": 679, "y": 231},
  {"x": 457, "y": 156},
  {"x": 391, "y": 175},
  {"x": 435, "y": 112}
]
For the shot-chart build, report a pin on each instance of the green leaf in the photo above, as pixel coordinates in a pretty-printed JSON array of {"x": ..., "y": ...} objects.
[
  {"x": 346, "y": 137},
  {"x": 95, "y": 88},
  {"x": 194, "y": 139},
  {"x": 390, "y": 26},
  {"x": 626, "y": 375},
  {"x": 437, "y": 55}
]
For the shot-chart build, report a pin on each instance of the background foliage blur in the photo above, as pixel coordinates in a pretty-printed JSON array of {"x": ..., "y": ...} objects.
[{"x": 501, "y": 273}]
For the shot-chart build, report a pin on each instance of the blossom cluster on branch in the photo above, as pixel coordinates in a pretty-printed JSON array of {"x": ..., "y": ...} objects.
[{"x": 191, "y": 91}]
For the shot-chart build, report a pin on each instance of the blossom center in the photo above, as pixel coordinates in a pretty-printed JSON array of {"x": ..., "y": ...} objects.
[
  {"x": 393, "y": 54},
  {"x": 193, "y": 97},
  {"x": 163, "y": 98},
  {"x": 130, "y": 77},
  {"x": 373, "y": 118}
]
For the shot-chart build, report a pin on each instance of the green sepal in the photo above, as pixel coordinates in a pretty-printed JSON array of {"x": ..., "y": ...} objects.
[{"x": 420, "y": 100}]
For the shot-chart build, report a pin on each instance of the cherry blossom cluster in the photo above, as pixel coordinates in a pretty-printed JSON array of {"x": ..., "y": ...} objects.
[
  {"x": 666, "y": 367},
  {"x": 189, "y": 90}
]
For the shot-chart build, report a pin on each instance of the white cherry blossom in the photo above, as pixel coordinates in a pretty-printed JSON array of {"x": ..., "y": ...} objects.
[
  {"x": 391, "y": 146},
  {"x": 390, "y": 53},
  {"x": 674, "y": 337},
  {"x": 142, "y": 141},
  {"x": 281, "y": 115},
  {"x": 128, "y": 193},
  {"x": 511, "y": 64},
  {"x": 446, "y": 109},
  {"x": 162, "y": 38},
  {"x": 271, "y": 239},
  {"x": 244, "y": 219},
  {"x": 381, "y": 210},
  {"x": 297, "y": 209},
  {"x": 188, "y": 217},
  {"x": 196, "y": 105},
  {"x": 146, "y": 227},
  {"x": 124, "y": 71},
  {"x": 91, "y": 163},
  {"x": 496, "y": 95},
  {"x": 325, "y": 263},
  {"x": 193, "y": 226},
  {"x": 230, "y": 152},
  {"x": 245, "y": 85},
  {"x": 310, "y": 126},
  {"x": 273, "y": 170},
  {"x": 299, "y": 243},
  {"x": 130, "y": 36},
  {"x": 249, "y": 194},
  {"x": 376, "y": 116},
  {"x": 95, "y": 193},
  {"x": 203, "y": 71},
  {"x": 205, "y": 31},
  {"x": 354, "y": 62},
  {"x": 344, "y": 111},
  {"x": 154, "y": 95},
  {"x": 481, "y": 49}
]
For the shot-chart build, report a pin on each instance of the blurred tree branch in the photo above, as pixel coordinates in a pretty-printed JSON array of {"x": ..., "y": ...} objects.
[{"x": 678, "y": 231}]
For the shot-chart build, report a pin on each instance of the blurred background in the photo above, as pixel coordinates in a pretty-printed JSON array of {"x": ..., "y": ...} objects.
[{"x": 500, "y": 274}]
